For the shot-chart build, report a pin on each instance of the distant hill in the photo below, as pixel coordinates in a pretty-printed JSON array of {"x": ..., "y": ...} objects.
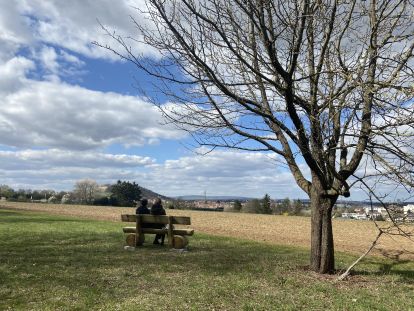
[
  {"x": 146, "y": 193},
  {"x": 212, "y": 198}
]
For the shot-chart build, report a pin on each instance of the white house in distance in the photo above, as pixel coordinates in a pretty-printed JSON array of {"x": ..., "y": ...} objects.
[
  {"x": 359, "y": 216},
  {"x": 400, "y": 214},
  {"x": 408, "y": 208},
  {"x": 374, "y": 210}
]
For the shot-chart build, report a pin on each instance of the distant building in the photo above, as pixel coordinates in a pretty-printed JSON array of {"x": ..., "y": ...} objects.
[
  {"x": 358, "y": 216},
  {"x": 211, "y": 204},
  {"x": 65, "y": 198},
  {"x": 408, "y": 208},
  {"x": 359, "y": 210},
  {"x": 409, "y": 217},
  {"x": 375, "y": 210},
  {"x": 405, "y": 214}
]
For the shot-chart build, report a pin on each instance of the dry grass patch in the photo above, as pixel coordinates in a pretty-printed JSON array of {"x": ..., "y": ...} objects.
[{"x": 350, "y": 235}]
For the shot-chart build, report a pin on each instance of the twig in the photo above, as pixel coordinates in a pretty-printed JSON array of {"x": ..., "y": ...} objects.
[{"x": 346, "y": 273}]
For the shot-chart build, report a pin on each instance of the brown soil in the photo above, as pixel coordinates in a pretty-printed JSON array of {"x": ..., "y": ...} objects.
[{"x": 351, "y": 236}]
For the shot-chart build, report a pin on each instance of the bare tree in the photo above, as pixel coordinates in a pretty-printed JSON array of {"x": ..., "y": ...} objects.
[
  {"x": 325, "y": 84},
  {"x": 85, "y": 190}
]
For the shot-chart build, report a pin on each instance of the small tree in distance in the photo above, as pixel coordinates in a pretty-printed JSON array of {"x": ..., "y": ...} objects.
[
  {"x": 84, "y": 191},
  {"x": 284, "y": 206},
  {"x": 6, "y": 191},
  {"x": 237, "y": 206},
  {"x": 297, "y": 207},
  {"x": 326, "y": 86},
  {"x": 265, "y": 205},
  {"x": 253, "y": 206}
]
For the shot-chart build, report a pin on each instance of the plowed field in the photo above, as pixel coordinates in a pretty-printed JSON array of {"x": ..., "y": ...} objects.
[{"x": 351, "y": 236}]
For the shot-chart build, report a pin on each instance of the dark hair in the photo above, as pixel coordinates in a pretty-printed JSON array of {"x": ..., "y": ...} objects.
[
  {"x": 144, "y": 202},
  {"x": 157, "y": 203}
]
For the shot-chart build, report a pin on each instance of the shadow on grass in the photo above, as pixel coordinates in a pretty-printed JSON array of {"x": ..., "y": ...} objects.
[
  {"x": 41, "y": 245},
  {"x": 402, "y": 268},
  {"x": 36, "y": 240},
  {"x": 9, "y": 212},
  {"x": 10, "y": 216}
]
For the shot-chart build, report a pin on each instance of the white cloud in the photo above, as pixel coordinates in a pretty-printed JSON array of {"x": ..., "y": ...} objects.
[
  {"x": 73, "y": 24},
  {"x": 60, "y": 169},
  {"x": 219, "y": 172},
  {"x": 52, "y": 31},
  {"x": 71, "y": 58},
  {"x": 61, "y": 178},
  {"x": 39, "y": 39},
  {"x": 224, "y": 173},
  {"x": 14, "y": 30},
  {"x": 49, "y": 61},
  {"x": 52, "y": 114},
  {"x": 50, "y": 158},
  {"x": 58, "y": 115},
  {"x": 13, "y": 75}
]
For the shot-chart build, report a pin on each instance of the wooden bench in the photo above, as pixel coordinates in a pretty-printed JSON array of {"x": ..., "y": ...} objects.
[{"x": 177, "y": 237}]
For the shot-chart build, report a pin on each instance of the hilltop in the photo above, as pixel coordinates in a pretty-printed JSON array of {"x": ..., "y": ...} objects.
[{"x": 149, "y": 194}]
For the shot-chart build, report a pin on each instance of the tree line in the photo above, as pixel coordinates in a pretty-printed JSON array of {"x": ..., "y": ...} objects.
[
  {"x": 267, "y": 206},
  {"x": 86, "y": 191}
]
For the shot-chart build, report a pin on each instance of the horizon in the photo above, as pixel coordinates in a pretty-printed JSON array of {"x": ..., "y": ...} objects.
[{"x": 214, "y": 197}]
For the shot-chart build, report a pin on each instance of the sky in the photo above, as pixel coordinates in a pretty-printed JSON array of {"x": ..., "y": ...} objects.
[{"x": 70, "y": 110}]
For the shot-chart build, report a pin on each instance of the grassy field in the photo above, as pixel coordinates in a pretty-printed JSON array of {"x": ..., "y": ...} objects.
[
  {"x": 53, "y": 262},
  {"x": 350, "y": 236}
]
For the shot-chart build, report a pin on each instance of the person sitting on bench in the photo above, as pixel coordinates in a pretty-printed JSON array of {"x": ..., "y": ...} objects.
[
  {"x": 143, "y": 207},
  {"x": 142, "y": 210},
  {"x": 157, "y": 209}
]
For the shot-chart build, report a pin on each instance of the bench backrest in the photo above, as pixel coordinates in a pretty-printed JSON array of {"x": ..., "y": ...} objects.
[{"x": 153, "y": 219}]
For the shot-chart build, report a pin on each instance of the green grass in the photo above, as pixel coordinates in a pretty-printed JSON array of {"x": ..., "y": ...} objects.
[{"x": 61, "y": 263}]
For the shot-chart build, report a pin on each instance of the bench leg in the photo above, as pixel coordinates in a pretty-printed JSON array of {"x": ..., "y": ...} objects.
[
  {"x": 180, "y": 241},
  {"x": 139, "y": 237},
  {"x": 170, "y": 232}
]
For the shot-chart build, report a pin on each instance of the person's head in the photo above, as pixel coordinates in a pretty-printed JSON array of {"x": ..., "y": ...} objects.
[
  {"x": 157, "y": 202},
  {"x": 144, "y": 202}
]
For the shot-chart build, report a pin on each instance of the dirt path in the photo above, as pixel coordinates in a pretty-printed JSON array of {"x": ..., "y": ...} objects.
[{"x": 350, "y": 235}]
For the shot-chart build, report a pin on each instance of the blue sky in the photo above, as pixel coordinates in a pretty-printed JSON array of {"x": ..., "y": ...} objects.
[{"x": 69, "y": 111}]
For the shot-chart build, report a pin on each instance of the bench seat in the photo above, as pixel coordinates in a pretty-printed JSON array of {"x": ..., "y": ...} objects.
[{"x": 189, "y": 232}]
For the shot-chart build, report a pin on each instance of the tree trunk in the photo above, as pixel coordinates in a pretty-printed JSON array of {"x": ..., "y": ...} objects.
[{"x": 322, "y": 246}]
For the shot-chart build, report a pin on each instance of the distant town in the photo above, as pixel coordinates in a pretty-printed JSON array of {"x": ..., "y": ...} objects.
[{"x": 349, "y": 210}]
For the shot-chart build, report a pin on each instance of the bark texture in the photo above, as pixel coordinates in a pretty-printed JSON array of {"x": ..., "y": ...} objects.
[{"x": 322, "y": 246}]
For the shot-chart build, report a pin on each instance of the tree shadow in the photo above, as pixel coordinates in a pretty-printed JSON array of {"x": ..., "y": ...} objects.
[
  {"x": 391, "y": 265},
  {"x": 8, "y": 212},
  {"x": 74, "y": 244},
  {"x": 81, "y": 246},
  {"x": 9, "y": 216}
]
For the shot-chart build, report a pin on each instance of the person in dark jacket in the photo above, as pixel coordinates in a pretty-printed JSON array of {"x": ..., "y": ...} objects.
[
  {"x": 143, "y": 207},
  {"x": 157, "y": 209}
]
